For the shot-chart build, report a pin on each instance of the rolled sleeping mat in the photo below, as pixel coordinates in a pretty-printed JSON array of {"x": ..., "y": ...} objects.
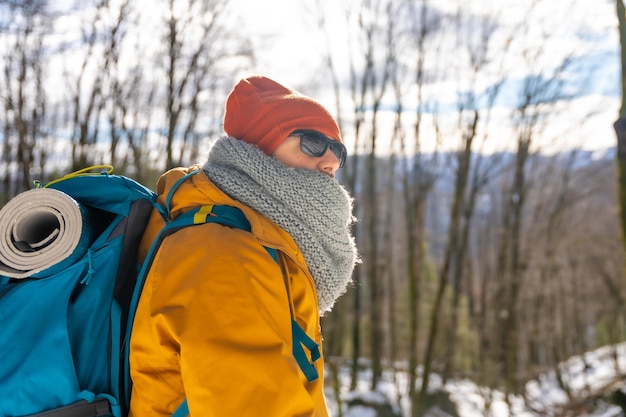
[{"x": 42, "y": 231}]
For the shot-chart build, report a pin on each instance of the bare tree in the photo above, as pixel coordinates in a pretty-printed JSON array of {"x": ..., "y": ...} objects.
[
  {"x": 113, "y": 41},
  {"x": 24, "y": 151},
  {"x": 193, "y": 58},
  {"x": 620, "y": 123},
  {"x": 475, "y": 33},
  {"x": 418, "y": 178},
  {"x": 86, "y": 82},
  {"x": 372, "y": 81},
  {"x": 470, "y": 176}
]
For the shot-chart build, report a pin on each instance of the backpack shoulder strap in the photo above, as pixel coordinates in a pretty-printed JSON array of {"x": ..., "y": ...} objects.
[{"x": 225, "y": 215}]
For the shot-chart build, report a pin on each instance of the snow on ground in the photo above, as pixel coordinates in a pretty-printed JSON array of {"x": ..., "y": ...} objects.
[{"x": 582, "y": 376}]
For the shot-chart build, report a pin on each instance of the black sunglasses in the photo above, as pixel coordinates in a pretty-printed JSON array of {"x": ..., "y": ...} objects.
[{"x": 315, "y": 144}]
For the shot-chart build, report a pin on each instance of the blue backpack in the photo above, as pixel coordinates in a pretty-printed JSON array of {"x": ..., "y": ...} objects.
[{"x": 64, "y": 329}]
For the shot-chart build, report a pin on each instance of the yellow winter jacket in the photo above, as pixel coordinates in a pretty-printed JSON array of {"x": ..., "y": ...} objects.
[{"x": 213, "y": 323}]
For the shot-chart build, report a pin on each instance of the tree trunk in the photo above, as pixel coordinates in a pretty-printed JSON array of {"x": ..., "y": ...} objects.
[{"x": 620, "y": 124}]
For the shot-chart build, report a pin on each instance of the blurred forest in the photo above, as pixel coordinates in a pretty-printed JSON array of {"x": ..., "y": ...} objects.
[{"x": 495, "y": 263}]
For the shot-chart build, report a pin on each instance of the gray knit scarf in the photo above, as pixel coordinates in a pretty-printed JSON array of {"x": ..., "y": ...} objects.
[{"x": 309, "y": 205}]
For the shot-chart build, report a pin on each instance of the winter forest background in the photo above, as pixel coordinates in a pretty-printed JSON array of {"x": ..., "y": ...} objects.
[{"x": 485, "y": 190}]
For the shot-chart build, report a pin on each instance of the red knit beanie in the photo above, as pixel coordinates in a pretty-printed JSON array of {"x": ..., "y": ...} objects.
[{"x": 262, "y": 112}]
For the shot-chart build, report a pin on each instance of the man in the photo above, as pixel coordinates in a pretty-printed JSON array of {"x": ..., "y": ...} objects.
[{"x": 228, "y": 320}]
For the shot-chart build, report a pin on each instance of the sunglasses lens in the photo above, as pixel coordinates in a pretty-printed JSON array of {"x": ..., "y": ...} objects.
[
  {"x": 340, "y": 152},
  {"x": 316, "y": 145},
  {"x": 313, "y": 146}
]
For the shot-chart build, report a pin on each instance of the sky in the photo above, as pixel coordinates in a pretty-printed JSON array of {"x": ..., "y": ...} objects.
[
  {"x": 294, "y": 48},
  {"x": 588, "y": 27}
]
